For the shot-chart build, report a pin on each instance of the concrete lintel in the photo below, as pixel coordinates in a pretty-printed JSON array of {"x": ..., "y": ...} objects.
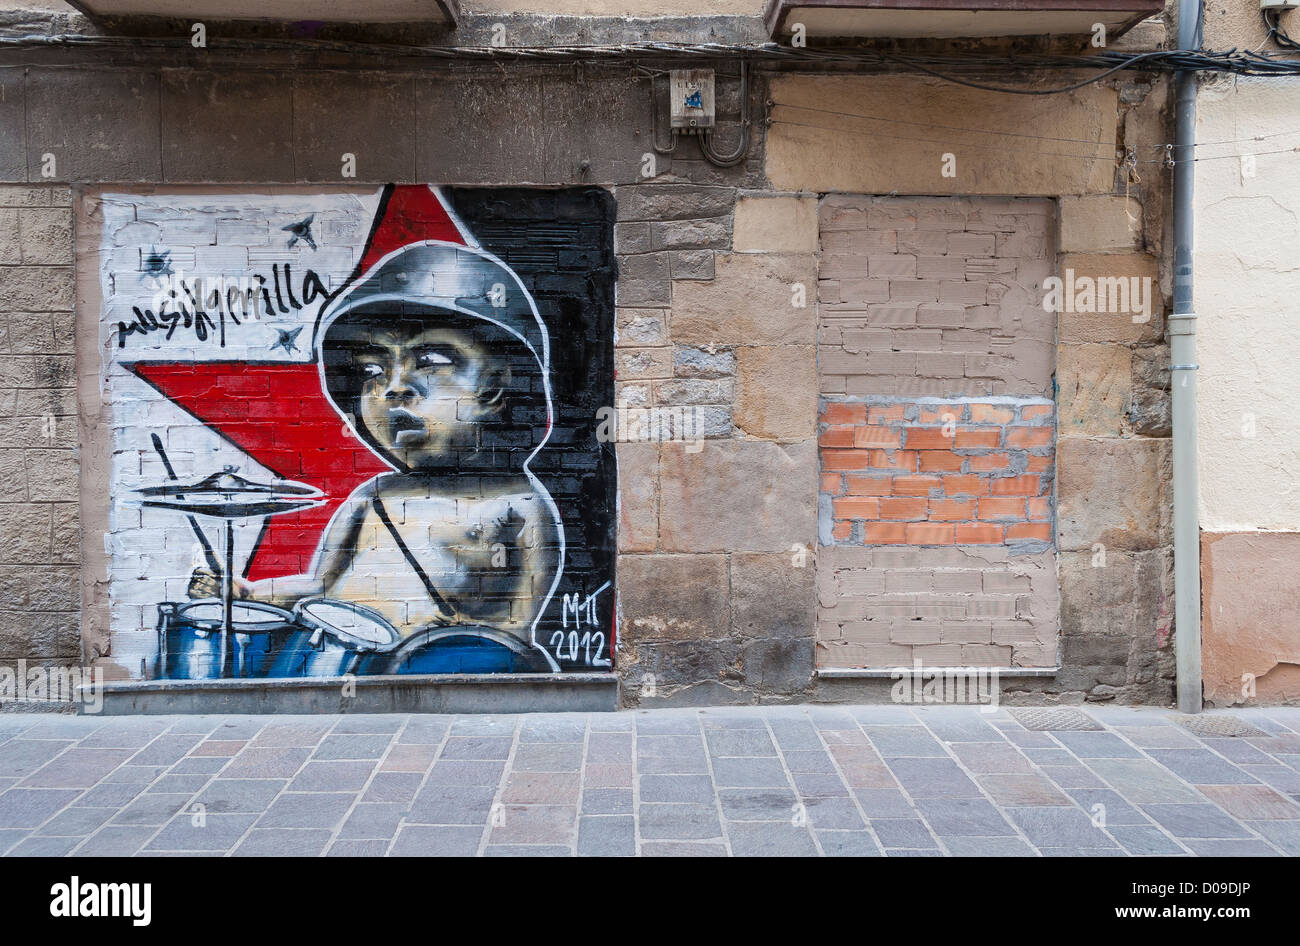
[{"x": 413, "y": 693}]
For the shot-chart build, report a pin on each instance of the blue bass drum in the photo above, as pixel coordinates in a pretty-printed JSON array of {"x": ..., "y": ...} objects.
[
  {"x": 189, "y": 639},
  {"x": 465, "y": 649},
  {"x": 334, "y": 638}
]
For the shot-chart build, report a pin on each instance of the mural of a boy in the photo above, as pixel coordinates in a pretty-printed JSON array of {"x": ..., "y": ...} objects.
[{"x": 438, "y": 360}]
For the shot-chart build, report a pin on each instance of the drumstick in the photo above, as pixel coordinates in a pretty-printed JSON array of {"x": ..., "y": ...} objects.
[{"x": 210, "y": 555}]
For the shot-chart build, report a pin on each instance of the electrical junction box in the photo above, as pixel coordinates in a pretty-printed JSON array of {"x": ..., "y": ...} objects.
[
  {"x": 691, "y": 101},
  {"x": 1278, "y": 4}
]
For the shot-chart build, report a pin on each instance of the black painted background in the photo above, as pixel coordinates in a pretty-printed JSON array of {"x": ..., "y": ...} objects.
[{"x": 561, "y": 244}]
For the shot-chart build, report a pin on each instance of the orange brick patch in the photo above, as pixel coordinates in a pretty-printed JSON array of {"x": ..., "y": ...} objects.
[{"x": 932, "y": 471}]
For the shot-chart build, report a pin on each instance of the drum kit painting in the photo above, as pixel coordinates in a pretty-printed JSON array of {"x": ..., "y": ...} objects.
[{"x": 214, "y": 638}]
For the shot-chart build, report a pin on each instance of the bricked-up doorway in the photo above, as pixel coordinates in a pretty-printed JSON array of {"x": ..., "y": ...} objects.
[{"x": 937, "y": 433}]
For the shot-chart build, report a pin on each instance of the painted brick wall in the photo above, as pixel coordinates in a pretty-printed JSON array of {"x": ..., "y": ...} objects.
[
  {"x": 936, "y": 433},
  {"x": 936, "y": 472}
]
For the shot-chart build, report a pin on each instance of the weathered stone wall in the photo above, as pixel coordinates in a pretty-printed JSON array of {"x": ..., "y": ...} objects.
[
  {"x": 40, "y": 591},
  {"x": 717, "y": 307}
]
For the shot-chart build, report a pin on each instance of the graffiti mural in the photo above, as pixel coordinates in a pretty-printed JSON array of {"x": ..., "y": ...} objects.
[{"x": 356, "y": 432}]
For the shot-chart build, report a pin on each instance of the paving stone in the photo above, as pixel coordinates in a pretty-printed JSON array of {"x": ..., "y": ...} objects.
[
  {"x": 1145, "y": 840},
  {"x": 35, "y": 846},
  {"x": 1027, "y": 739},
  {"x": 167, "y": 749},
  {"x": 153, "y": 808},
  {"x": 283, "y": 842},
  {"x": 452, "y": 804},
  {"x": 180, "y": 784},
  {"x": 682, "y": 849},
  {"x": 371, "y": 723},
  {"x": 1196, "y": 821},
  {"x": 215, "y": 833},
  {"x": 604, "y": 775},
  {"x": 139, "y": 774},
  {"x": 1141, "y": 781},
  {"x": 350, "y": 746},
  {"x": 904, "y": 742},
  {"x": 1284, "y": 835},
  {"x": 988, "y": 847},
  {"x": 1281, "y": 777},
  {"x": 771, "y": 839},
  {"x": 393, "y": 786},
  {"x": 884, "y": 803},
  {"x": 455, "y": 772},
  {"x": 348, "y": 847},
  {"x": 526, "y": 850},
  {"x": 296, "y": 734},
  {"x": 267, "y": 763},
  {"x": 134, "y": 736},
  {"x": 820, "y": 786},
  {"x": 665, "y": 724},
  {"x": 960, "y": 726},
  {"x": 676, "y": 788},
  {"x": 931, "y": 852},
  {"x": 409, "y": 758},
  {"x": 534, "y": 824},
  {"x": 76, "y": 822},
  {"x": 1252, "y": 802},
  {"x": 848, "y": 844},
  {"x": 607, "y": 801},
  {"x": 192, "y": 765},
  {"x": 541, "y": 788},
  {"x": 1200, "y": 766},
  {"x": 1096, "y": 745},
  {"x": 601, "y": 747},
  {"x": 565, "y": 756},
  {"x": 486, "y": 726},
  {"x": 307, "y": 810},
  {"x": 833, "y": 814},
  {"x": 240, "y": 795},
  {"x": 1021, "y": 788},
  {"x": 963, "y": 817},
  {"x": 606, "y": 836},
  {"x": 1049, "y": 756},
  {"x": 805, "y": 760},
  {"x": 722, "y": 719},
  {"x": 436, "y": 841},
  {"x": 423, "y": 731},
  {"x": 1115, "y": 809},
  {"x": 111, "y": 794},
  {"x": 547, "y": 728},
  {"x": 1160, "y": 737},
  {"x": 679, "y": 822},
  {"x": 611, "y": 722},
  {"x": 1059, "y": 827},
  {"x": 749, "y": 773},
  {"x": 761, "y": 804},
  {"x": 933, "y": 778},
  {"x": 1113, "y": 851},
  {"x": 373, "y": 821},
  {"x": 77, "y": 768},
  {"x": 1231, "y": 849},
  {"x": 903, "y": 832},
  {"x": 740, "y": 743},
  {"x": 477, "y": 748},
  {"x": 116, "y": 841},
  {"x": 332, "y": 776},
  {"x": 796, "y": 735},
  {"x": 987, "y": 758},
  {"x": 218, "y": 747}
]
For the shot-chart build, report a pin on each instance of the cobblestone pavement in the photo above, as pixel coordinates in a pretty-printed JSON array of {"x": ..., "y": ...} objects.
[{"x": 861, "y": 780}]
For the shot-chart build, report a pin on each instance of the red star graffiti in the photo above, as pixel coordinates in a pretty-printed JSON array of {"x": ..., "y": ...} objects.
[{"x": 278, "y": 414}]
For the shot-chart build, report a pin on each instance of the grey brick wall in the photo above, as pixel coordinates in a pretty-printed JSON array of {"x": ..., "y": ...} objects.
[{"x": 40, "y": 550}]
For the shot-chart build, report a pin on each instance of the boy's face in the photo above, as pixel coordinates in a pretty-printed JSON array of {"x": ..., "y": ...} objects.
[{"x": 424, "y": 388}]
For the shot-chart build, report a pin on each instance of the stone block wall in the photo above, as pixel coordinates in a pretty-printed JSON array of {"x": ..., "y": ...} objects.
[{"x": 40, "y": 590}]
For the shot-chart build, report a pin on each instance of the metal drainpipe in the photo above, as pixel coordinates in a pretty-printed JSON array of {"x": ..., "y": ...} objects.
[{"x": 1183, "y": 368}]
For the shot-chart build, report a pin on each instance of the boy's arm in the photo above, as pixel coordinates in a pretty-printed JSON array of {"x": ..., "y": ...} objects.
[{"x": 333, "y": 556}]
